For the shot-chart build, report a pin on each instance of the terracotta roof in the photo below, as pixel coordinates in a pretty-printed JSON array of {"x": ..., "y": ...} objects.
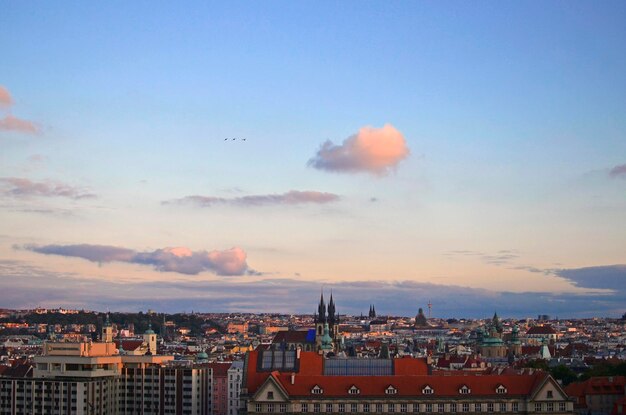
[
  {"x": 605, "y": 385},
  {"x": 410, "y": 378}
]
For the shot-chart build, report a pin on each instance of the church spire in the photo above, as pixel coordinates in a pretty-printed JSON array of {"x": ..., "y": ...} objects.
[
  {"x": 321, "y": 310},
  {"x": 331, "y": 309}
]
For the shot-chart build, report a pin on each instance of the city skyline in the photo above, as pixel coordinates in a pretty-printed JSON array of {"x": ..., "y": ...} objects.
[{"x": 239, "y": 157}]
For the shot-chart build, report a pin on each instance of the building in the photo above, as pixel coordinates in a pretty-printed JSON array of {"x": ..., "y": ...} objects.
[
  {"x": 99, "y": 379},
  {"x": 597, "y": 395},
  {"x": 219, "y": 388},
  {"x": 327, "y": 326},
  {"x": 306, "y": 382},
  {"x": 235, "y": 377}
]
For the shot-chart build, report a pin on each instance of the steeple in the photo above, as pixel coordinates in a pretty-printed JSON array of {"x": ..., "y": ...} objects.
[
  {"x": 321, "y": 310},
  {"x": 331, "y": 310}
]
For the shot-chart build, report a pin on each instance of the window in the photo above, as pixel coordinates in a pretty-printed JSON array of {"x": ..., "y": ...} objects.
[
  {"x": 537, "y": 407},
  {"x": 391, "y": 407},
  {"x": 429, "y": 407},
  {"x": 270, "y": 395},
  {"x": 403, "y": 407},
  {"x": 549, "y": 395},
  {"x": 427, "y": 390},
  {"x": 478, "y": 407},
  {"x": 354, "y": 390},
  {"x": 465, "y": 407},
  {"x": 502, "y": 407},
  {"x": 490, "y": 407},
  {"x": 304, "y": 407},
  {"x": 515, "y": 407},
  {"x": 342, "y": 407},
  {"x": 550, "y": 406},
  {"x": 500, "y": 390},
  {"x": 561, "y": 406},
  {"x": 441, "y": 407},
  {"x": 353, "y": 407},
  {"x": 464, "y": 390},
  {"x": 391, "y": 390},
  {"x": 317, "y": 408},
  {"x": 317, "y": 390},
  {"x": 452, "y": 407},
  {"x": 257, "y": 407},
  {"x": 329, "y": 407},
  {"x": 379, "y": 407},
  {"x": 366, "y": 407},
  {"x": 270, "y": 407}
]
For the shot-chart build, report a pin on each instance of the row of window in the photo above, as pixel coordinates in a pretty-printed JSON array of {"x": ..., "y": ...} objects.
[
  {"x": 407, "y": 407},
  {"x": 391, "y": 390}
]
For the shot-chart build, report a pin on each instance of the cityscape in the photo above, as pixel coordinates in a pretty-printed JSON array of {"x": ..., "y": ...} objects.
[{"x": 258, "y": 208}]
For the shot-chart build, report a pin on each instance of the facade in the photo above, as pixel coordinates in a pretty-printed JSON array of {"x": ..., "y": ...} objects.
[
  {"x": 219, "y": 387},
  {"x": 309, "y": 383},
  {"x": 95, "y": 379},
  {"x": 235, "y": 377},
  {"x": 597, "y": 395},
  {"x": 327, "y": 326}
]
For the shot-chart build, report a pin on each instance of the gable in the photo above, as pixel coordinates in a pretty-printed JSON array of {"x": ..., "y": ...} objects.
[
  {"x": 270, "y": 391},
  {"x": 548, "y": 390}
]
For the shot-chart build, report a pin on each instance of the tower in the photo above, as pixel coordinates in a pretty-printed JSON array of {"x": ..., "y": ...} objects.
[
  {"x": 149, "y": 338},
  {"x": 333, "y": 319},
  {"x": 107, "y": 331},
  {"x": 320, "y": 320}
]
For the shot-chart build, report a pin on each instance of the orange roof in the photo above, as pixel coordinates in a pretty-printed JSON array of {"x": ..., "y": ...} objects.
[{"x": 409, "y": 380}]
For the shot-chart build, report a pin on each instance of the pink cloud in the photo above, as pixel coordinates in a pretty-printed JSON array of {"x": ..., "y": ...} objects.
[
  {"x": 371, "y": 150},
  {"x": 292, "y": 197},
  {"x": 618, "y": 171},
  {"x": 182, "y": 260},
  {"x": 21, "y": 187},
  {"x": 11, "y": 123},
  {"x": 5, "y": 97}
]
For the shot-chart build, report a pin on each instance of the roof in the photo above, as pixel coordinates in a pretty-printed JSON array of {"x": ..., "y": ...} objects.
[
  {"x": 17, "y": 371},
  {"x": 129, "y": 345},
  {"x": 409, "y": 378},
  {"x": 294, "y": 336},
  {"x": 547, "y": 329},
  {"x": 220, "y": 369},
  {"x": 602, "y": 385}
]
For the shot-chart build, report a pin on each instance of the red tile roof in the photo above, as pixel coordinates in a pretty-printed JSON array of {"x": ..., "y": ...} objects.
[{"x": 410, "y": 378}]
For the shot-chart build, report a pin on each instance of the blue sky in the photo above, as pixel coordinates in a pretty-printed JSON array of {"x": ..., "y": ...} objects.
[{"x": 506, "y": 174}]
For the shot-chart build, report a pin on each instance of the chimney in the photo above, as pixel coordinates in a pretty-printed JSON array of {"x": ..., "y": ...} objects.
[{"x": 293, "y": 378}]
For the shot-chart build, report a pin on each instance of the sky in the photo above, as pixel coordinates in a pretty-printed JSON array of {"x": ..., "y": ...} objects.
[{"x": 246, "y": 156}]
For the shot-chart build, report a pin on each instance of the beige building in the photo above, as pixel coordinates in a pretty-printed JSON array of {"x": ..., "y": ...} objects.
[{"x": 309, "y": 383}]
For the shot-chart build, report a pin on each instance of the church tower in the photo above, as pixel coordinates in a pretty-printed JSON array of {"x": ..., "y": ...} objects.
[
  {"x": 149, "y": 338},
  {"x": 333, "y": 319},
  {"x": 107, "y": 331},
  {"x": 320, "y": 321}
]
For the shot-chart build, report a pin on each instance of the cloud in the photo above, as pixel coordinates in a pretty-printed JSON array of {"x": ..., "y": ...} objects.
[
  {"x": 5, "y": 97},
  {"x": 618, "y": 171},
  {"x": 26, "y": 286},
  {"x": 611, "y": 277},
  {"x": 293, "y": 197},
  {"x": 21, "y": 187},
  {"x": 11, "y": 123},
  {"x": 371, "y": 150},
  {"x": 181, "y": 260}
]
